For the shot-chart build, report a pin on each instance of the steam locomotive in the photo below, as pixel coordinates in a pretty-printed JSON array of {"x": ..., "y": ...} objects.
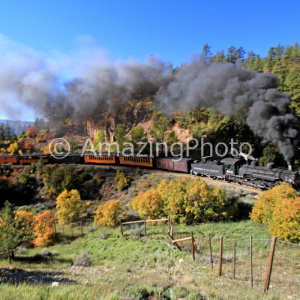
[{"x": 228, "y": 169}]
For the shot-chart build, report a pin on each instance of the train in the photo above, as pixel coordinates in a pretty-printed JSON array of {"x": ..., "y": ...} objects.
[{"x": 229, "y": 169}]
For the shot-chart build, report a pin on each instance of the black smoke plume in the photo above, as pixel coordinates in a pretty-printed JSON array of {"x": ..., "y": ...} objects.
[{"x": 235, "y": 90}]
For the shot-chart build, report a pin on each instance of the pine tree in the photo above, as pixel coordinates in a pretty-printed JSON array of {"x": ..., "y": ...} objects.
[
  {"x": 206, "y": 55},
  {"x": 219, "y": 57},
  {"x": 249, "y": 63},
  {"x": 292, "y": 86}
]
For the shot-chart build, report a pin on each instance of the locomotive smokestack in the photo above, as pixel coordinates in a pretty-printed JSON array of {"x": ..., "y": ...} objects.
[{"x": 290, "y": 166}]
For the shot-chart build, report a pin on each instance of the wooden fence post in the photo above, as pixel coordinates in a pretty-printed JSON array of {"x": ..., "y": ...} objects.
[
  {"x": 210, "y": 250},
  {"x": 145, "y": 227},
  {"x": 193, "y": 250},
  {"x": 121, "y": 227},
  {"x": 221, "y": 255},
  {"x": 269, "y": 272},
  {"x": 171, "y": 230},
  {"x": 234, "y": 260},
  {"x": 251, "y": 266}
]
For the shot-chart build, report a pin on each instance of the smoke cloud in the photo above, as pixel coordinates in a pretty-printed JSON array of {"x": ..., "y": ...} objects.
[
  {"x": 28, "y": 79},
  {"x": 233, "y": 89}
]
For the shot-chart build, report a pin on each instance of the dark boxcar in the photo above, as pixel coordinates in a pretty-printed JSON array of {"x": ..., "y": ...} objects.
[
  {"x": 138, "y": 161},
  {"x": 71, "y": 158},
  {"x": 104, "y": 158},
  {"x": 212, "y": 169},
  {"x": 33, "y": 158},
  {"x": 9, "y": 159},
  {"x": 171, "y": 164}
]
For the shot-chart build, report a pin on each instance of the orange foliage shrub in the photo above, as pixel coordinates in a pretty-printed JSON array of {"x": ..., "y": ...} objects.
[
  {"x": 148, "y": 204},
  {"x": 108, "y": 214},
  {"x": 145, "y": 185},
  {"x": 28, "y": 147},
  {"x": 28, "y": 221},
  {"x": 44, "y": 229},
  {"x": 32, "y": 131}
]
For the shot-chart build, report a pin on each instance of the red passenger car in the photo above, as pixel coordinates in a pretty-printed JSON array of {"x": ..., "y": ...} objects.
[{"x": 9, "y": 159}]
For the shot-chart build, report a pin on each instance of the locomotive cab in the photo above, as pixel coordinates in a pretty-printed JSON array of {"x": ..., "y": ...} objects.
[{"x": 232, "y": 165}]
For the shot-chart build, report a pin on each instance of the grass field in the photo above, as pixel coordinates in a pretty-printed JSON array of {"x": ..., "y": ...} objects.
[{"x": 149, "y": 267}]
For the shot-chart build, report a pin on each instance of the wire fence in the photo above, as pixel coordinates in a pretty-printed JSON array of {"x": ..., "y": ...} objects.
[{"x": 248, "y": 260}]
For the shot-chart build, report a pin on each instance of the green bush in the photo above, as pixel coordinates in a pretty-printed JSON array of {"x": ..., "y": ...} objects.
[
  {"x": 123, "y": 180},
  {"x": 59, "y": 178}
]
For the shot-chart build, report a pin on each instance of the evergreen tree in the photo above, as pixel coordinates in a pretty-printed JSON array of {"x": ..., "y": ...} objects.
[
  {"x": 120, "y": 136},
  {"x": 138, "y": 135},
  {"x": 206, "y": 55},
  {"x": 258, "y": 64},
  {"x": 219, "y": 57},
  {"x": 269, "y": 60},
  {"x": 292, "y": 86},
  {"x": 249, "y": 63},
  {"x": 231, "y": 55},
  {"x": 159, "y": 128}
]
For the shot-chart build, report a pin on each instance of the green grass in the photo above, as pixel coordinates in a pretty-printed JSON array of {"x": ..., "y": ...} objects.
[{"x": 132, "y": 266}]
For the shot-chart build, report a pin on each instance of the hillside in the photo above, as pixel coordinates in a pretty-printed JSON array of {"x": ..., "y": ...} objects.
[{"x": 149, "y": 267}]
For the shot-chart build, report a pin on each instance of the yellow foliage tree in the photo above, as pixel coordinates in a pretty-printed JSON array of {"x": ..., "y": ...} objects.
[
  {"x": 13, "y": 148},
  {"x": 279, "y": 208},
  {"x": 262, "y": 211},
  {"x": 44, "y": 229},
  {"x": 46, "y": 149},
  {"x": 68, "y": 206},
  {"x": 108, "y": 214},
  {"x": 285, "y": 223},
  {"x": 148, "y": 204}
]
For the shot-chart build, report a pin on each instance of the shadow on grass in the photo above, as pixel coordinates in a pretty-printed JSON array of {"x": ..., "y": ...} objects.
[
  {"x": 19, "y": 276},
  {"x": 65, "y": 239},
  {"x": 38, "y": 259},
  {"x": 244, "y": 210}
]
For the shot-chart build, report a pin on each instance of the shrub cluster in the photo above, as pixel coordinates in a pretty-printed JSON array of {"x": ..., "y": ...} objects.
[
  {"x": 279, "y": 208},
  {"x": 21, "y": 227},
  {"x": 123, "y": 180},
  {"x": 98, "y": 180},
  {"x": 59, "y": 178},
  {"x": 188, "y": 201},
  {"x": 82, "y": 259},
  {"x": 108, "y": 214}
]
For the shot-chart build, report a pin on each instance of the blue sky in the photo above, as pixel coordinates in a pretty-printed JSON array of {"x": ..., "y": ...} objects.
[{"x": 134, "y": 29}]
